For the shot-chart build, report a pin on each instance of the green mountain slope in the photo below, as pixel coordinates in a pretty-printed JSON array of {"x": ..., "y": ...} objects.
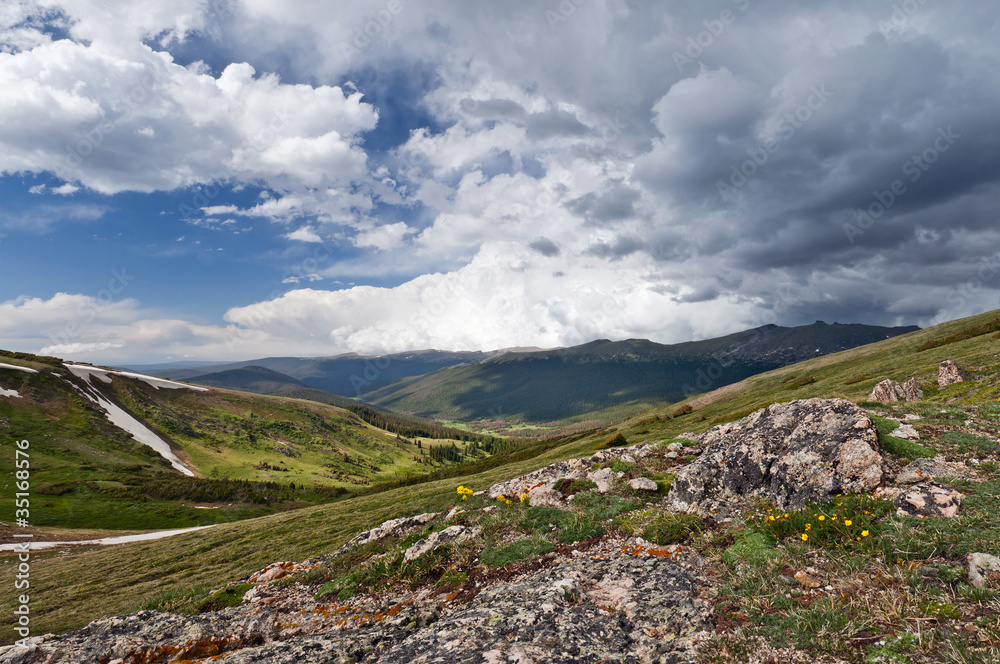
[
  {"x": 347, "y": 375},
  {"x": 265, "y": 381},
  {"x": 251, "y": 454},
  {"x": 73, "y": 589},
  {"x": 605, "y": 380}
]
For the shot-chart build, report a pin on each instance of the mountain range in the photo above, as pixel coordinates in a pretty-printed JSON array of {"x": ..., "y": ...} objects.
[{"x": 588, "y": 384}]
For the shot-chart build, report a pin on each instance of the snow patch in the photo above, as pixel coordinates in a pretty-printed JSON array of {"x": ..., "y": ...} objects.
[
  {"x": 9, "y": 393},
  {"x": 85, "y": 371},
  {"x": 123, "y": 420},
  {"x": 121, "y": 539},
  {"x": 17, "y": 368}
]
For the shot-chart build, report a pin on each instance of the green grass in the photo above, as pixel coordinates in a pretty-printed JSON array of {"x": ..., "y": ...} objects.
[
  {"x": 255, "y": 455},
  {"x": 498, "y": 556},
  {"x": 967, "y": 442},
  {"x": 900, "y": 447}
]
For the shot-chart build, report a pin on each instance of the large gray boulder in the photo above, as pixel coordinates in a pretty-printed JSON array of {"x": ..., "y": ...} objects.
[{"x": 789, "y": 452}]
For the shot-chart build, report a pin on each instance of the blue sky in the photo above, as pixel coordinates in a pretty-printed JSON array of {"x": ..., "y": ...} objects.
[{"x": 233, "y": 179}]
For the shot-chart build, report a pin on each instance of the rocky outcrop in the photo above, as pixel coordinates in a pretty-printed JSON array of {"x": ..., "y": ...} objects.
[
  {"x": 540, "y": 484},
  {"x": 950, "y": 373},
  {"x": 615, "y": 603},
  {"x": 912, "y": 391},
  {"x": 450, "y": 535},
  {"x": 390, "y": 528},
  {"x": 888, "y": 391},
  {"x": 789, "y": 452}
]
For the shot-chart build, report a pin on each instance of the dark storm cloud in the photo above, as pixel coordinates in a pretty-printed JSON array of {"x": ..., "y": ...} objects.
[
  {"x": 615, "y": 204},
  {"x": 545, "y": 247},
  {"x": 620, "y": 248}
]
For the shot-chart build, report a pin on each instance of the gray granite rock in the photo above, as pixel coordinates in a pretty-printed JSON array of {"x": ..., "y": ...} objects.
[{"x": 789, "y": 452}]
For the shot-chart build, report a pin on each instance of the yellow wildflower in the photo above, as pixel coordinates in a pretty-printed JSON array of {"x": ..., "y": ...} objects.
[
  {"x": 821, "y": 517},
  {"x": 848, "y": 522},
  {"x": 805, "y": 537}
]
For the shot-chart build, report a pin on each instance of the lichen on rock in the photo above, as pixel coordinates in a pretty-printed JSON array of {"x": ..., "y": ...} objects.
[{"x": 788, "y": 452}]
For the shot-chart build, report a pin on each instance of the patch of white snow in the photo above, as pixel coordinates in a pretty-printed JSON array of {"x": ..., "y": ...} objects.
[
  {"x": 121, "y": 539},
  {"x": 17, "y": 368},
  {"x": 9, "y": 393}
]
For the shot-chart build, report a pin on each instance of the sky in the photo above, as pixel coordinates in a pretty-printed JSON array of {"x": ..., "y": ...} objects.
[{"x": 232, "y": 179}]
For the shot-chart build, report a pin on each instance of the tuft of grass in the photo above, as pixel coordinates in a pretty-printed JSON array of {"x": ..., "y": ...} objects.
[
  {"x": 793, "y": 382},
  {"x": 900, "y": 447},
  {"x": 845, "y": 522},
  {"x": 598, "y": 507},
  {"x": 673, "y": 528},
  {"x": 498, "y": 556},
  {"x": 226, "y": 597},
  {"x": 752, "y": 547},
  {"x": 968, "y": 442}
]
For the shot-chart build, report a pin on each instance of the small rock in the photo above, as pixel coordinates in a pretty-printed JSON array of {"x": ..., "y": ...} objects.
[
  {"x": 602, "y": 478},
  {"x": 912, "y": 391},
  {"x": 456, "y": 534},
  {"x": 906, "y": 431},
  {"x": 984, "y": 570},
  {"x": 545, "y": 496},
  {"x": 928, "y": 499},
  {"x": 887, "y": 391},
  {"x": 924, "y": 469},
  {"x": 949, "y": 373},
  {"x": 643, "y": 484},
  {"x": 807, "y": 580},
  {"x": 676, "y": 447}
]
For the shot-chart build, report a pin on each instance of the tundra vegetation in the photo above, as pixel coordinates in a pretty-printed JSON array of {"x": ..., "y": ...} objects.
[{"x": 846, "y": 579}]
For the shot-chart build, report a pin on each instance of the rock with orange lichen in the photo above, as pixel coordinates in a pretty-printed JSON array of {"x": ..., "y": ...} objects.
[{"x": 616, "y": 602}]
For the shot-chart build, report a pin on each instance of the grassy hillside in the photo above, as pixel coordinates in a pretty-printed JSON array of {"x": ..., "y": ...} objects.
[
  {"x": 606, "y": 381},
  {"x": 70, "y": 590},
  {"x": 252, "y": 454},
  {"x": 261, "y": 380},
  {"x": 347, "y": 375}
]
